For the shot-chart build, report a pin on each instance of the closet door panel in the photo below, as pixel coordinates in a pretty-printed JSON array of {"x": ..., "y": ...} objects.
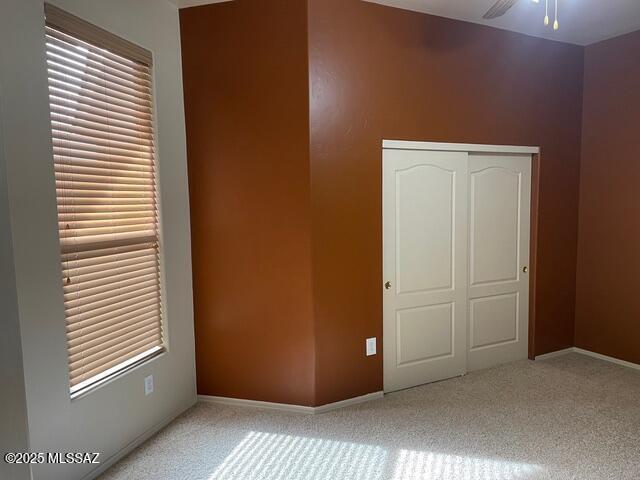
[
  {"x": 499, "y": 212},
  {"x": 425, "y": 266}
]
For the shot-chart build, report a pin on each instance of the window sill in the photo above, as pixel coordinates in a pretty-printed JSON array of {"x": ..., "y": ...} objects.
[{"x": 91, "y": 385}]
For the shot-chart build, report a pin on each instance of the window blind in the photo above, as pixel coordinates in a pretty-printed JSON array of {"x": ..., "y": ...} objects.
[{"x": 103, "y": 147}]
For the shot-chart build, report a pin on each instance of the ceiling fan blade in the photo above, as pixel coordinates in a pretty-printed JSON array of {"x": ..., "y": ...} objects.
[{"x": 499, "y": 8}]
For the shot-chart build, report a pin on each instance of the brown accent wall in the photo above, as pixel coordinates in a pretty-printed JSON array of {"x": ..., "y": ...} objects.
[
  {"x": 286, "y": 110},
  {"x": 608, "y": 304},
  {"x": 246, "y": 98},
  {"x": 383, "y": 73}
]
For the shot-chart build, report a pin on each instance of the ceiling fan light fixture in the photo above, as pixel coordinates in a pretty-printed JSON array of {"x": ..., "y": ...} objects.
[{"x": 500, "y": 7}]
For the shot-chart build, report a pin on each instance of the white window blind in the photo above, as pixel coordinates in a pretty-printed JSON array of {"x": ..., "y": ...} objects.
[{"x": 103, "y": 145}]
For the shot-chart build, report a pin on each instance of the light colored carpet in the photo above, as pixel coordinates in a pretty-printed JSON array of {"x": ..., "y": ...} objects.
[{"x": 570, "y": 417}]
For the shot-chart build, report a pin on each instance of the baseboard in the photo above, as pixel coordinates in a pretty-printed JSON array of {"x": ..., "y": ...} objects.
[
  {"x": 589, "y": 353},
  {"x": 123, "y": 452},
  {"x": 285, "y": 407},
  {"x": 557, "y": 353},
  {"x": 606, "y": 358},
  {"x": 349, "y": 401},
  {"x": 240, "y": 402}
]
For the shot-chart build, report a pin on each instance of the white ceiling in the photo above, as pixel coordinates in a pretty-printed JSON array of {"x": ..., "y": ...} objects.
[{"x": 581, "y": 21}]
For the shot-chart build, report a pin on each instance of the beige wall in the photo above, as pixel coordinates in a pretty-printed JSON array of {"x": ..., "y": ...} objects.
[
  {"x": 118, "y": 413},
  {"x": 13, "y": 414}
]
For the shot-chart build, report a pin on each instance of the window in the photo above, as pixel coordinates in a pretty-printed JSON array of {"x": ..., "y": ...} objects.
[{"x": 103, "y": 146}]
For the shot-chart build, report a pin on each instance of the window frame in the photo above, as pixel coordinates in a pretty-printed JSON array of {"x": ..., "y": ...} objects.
[{"x": 98, "y": 37}]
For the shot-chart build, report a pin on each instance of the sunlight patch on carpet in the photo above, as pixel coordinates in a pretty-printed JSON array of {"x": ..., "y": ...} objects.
[
  {"x": 269, "y": 456},
  {"x": 416, "y": 465}
]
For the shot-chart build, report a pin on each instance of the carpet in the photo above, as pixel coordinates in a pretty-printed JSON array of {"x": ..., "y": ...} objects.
[{"x": 568, "y": 417}]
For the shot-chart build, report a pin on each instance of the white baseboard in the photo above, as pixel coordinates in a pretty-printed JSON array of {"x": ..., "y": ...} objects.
[
  {"x": 349, "y": 401},
  {"x": 606, "y": 358},
  {"x": 589, "y": 353},
  {"x": 557, "y": 353},
  {"x": 123, "y": 452},
  {"x": 239, "y": 402}
]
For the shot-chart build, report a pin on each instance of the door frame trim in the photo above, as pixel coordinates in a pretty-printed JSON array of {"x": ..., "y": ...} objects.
[
  {"x": 458, "y": 147},
  {"x": 534, "y": 208},
  {"x": 533, "y": 250}
]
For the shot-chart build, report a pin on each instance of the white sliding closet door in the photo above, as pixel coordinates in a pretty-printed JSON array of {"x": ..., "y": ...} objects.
[
  {"x": 425, "y": 266},
  {"x": 499, "y": 223},
  {"x": 455, "y": 261}
]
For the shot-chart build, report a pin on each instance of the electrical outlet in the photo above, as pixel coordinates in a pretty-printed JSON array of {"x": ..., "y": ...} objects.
[
  {"x": 371, "y": 346},
  {"x": 148, "y": 385}
]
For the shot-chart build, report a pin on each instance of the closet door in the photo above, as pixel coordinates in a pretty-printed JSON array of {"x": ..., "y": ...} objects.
[
  {"x": 499, "y": 211},
  {"x": 425, "y": 266}
]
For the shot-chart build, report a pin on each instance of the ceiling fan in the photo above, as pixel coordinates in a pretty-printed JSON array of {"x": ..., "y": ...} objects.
[{"x": 502, "y": 6}]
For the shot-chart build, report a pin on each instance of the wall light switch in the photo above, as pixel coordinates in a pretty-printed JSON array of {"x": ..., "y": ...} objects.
[
  {"x": 371, "y": 346},
  {"x": 148, "y": 385}
]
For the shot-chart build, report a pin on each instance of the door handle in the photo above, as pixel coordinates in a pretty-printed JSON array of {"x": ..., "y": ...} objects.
[
  {"x": 387, "y": 285},
  {"x": 525, "y": 269}
]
